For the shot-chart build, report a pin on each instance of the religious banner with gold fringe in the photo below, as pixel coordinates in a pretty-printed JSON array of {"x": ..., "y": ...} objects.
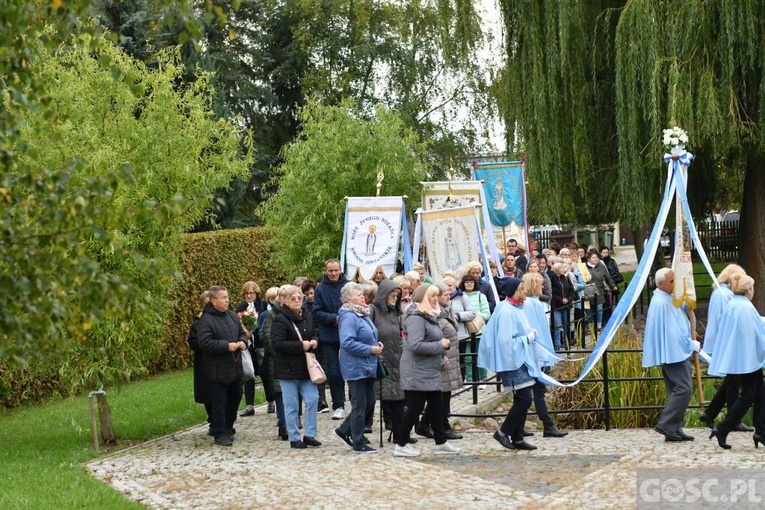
[{"x": 682, "y": 263}]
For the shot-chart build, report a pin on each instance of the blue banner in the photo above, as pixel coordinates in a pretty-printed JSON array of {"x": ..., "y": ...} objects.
[{"x": 503, "y": 187}]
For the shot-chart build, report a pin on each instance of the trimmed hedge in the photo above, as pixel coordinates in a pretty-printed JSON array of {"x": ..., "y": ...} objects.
[{"x": 223, "y": 257}]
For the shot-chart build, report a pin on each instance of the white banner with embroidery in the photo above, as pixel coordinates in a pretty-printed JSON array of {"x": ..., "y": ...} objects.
[
  {"x": 452, "y": 238},
  {"x": 372, "y": 233},
  {"x": 451, "y": 194},
  {"x": 682, "y": 264}
]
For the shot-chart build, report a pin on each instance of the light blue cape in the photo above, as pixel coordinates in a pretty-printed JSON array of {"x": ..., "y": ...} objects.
[
  {"x": 667, "y": 332},
  {"x": 720, "y": 297},
  {"x": 504, "y": 344},
  {"x": 535, "y": 314},
  {"x": 740, "y": 347}
]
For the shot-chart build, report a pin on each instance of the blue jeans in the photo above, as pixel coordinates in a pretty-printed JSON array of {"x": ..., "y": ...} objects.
[
  {"x": 561, "y": 327},
  {"x": 362, "y": 394},
  {"x": 291, "y": 388},
  {"x": 334, "y": 377},
  {"x": 279, "y": 410}
]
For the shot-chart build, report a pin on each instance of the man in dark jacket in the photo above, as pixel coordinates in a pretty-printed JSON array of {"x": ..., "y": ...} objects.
[
  {"x": 221, "y": 338},
  {"x": 326, "y": 304},
  {"x": 616, "y": 276}
]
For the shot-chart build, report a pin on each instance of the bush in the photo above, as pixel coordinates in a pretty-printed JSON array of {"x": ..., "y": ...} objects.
[{"x": 223, "y": 257}]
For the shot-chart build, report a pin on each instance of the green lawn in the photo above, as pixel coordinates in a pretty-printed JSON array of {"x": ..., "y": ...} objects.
[
  {"x": 701, "y": 279},
  {"x": 43, "y": 447}
]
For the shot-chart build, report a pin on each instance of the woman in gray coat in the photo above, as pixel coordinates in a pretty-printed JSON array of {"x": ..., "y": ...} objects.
[
  {"x": 424, "y": 349},
  {"x": 451, "y": 378},
  {"x": 386, "y": 316}
]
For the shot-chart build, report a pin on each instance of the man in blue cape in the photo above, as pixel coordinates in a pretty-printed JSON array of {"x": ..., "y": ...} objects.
[{"x": 668, "y": 343}]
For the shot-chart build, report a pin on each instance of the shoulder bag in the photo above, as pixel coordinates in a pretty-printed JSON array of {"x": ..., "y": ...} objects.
[
  {"x": 475, "y": 325},
  {"x": 315, "y": 372}
]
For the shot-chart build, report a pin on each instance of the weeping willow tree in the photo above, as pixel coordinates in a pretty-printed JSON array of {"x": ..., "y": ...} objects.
[{"x": 589, "y": 86}]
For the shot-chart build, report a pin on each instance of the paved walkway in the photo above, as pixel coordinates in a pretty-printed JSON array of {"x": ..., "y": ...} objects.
[{"x": 587, "y": 469}]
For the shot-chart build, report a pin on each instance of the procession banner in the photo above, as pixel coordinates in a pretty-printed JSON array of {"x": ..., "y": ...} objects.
[
  {"x": 451, "y": 194},
  {"x": 372, "y": 234},
  {"x": 451, "y": 237},
  {"x": 682, "y": 264},
  {"x": 503, "y": 186}
]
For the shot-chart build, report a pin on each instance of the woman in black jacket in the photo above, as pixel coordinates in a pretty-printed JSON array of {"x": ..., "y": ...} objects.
[
  {"x": 292, "y": 334},
  {"x": 563, "y": 297}
]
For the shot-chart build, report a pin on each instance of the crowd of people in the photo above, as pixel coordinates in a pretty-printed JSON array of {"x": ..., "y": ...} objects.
[{"x": 425, "y": 335}]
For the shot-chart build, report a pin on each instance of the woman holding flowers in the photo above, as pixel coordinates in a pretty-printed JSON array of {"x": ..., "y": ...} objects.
[{"x": 248, "y": 311}]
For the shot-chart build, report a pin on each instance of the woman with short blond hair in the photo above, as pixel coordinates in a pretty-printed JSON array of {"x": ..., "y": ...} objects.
[{"x": 424, "y": 349}]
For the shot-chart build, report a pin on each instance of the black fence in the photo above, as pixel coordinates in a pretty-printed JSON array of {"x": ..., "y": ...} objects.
[
  {"x": 607, "y": 409},
  {"x": 718, "y": 238}
]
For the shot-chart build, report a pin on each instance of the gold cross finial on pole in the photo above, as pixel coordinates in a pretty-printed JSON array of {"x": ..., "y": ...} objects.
[
  {"x": 450, "y": 198},
  {"x": 380, "y": 177}
]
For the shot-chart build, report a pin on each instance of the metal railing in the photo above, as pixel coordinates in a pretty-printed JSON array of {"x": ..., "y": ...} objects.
[{"x": 606, "y": 380}]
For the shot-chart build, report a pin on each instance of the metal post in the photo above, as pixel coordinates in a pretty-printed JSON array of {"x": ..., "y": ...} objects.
[
  {"x": 93, "y": 424},
  {"x": 606, "y": 400},
  {"x": 474, "y": 367}
]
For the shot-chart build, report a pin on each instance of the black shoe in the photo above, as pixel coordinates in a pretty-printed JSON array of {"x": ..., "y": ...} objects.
[
  {"x": 311, "y": 441},
  {"x": 298, "y": 444},
  {"x": 364, "y": 449},
  {"x": 323, "y": 407},
  {"x": 247, "y": 412},
  {"x": 554, "y": 432},
  {"x": 451, "y": 435},
  {"x": 424, "y": 431},
  {"x": 721, "y": 437},
  {"x": 526, "y": 433},
  {"x": 504, "y": 441},
  {"x": 758, "y": 439},
  {"x": 684, "y": 436},
  {"x": 345, "y": 439},
  {"x": 523, "y": 445},
  {"x": 413, "y": 440},
  {"x": 367, "y": 430},
  {"x": 743, "y": 428},
  {"x": 271, "y": 408},
  {"x": 224, "y": 441},
  {"x": 283, "y": 435},
  {"x": 668, "y": 436},
  {"x": 709, "y": 422}
]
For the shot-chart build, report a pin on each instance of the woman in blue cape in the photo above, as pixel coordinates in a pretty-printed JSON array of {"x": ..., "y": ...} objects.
[
  {"x": 536, "y": 314},
  {"x": 740, "y": 349},
  {"x": 507, "y": 348},
  {"x": 727, "y": 392}
]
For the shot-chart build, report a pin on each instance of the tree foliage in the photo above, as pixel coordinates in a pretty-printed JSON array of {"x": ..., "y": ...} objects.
[
  {"x": 89, "y": 242},
  {"x": 337, "y": 154},
  {"x": 267, "y": 57},
  {"x": 589, "y": 87}
]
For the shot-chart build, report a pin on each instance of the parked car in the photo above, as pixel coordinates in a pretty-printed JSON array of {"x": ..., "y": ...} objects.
[{"x": 726, "y": 236}]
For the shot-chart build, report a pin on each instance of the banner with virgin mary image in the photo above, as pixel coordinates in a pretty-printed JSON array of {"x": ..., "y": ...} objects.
[
  {"x": 503, "y": 187},
  {"x": 452, "y": 238},
  {"x": 372, "y": 235}
]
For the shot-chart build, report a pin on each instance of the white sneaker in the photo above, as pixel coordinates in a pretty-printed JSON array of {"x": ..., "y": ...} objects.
[
  {"x": 405, "y": 451},
  {"x": 446, "y": 449},
  {"x": 339, "y": 414}
]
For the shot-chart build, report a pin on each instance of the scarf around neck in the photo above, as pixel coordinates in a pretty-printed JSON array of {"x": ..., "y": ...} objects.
[{"x": 362, "y": 310}]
